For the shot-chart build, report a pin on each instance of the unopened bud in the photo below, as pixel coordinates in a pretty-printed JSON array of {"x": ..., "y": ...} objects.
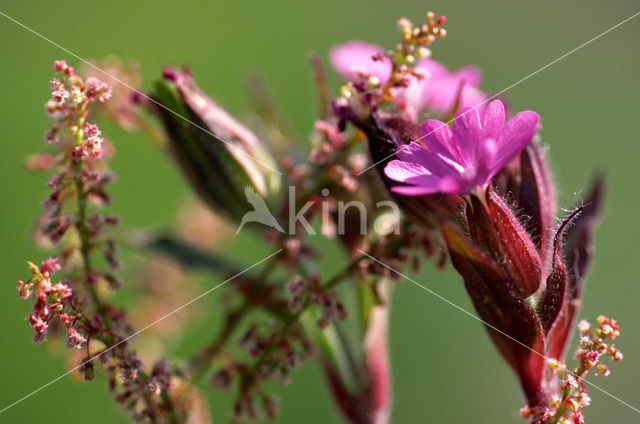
[{"x": 224, "y": 161}]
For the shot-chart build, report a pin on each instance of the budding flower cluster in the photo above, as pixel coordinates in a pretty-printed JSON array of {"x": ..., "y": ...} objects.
[
  {"x": 53, "y": 301},
  {"x": 73, "y": 222},
  {"x": 416, "y": 39},
  {"x": 573, "y": 398},
  {"x": 221, "y": 158},
  {"x": 69, "y": 105},
  {"x": 278, "y": 353},
  {"x": 400, "y": 77},
  {"x": 594, "y": 344}
]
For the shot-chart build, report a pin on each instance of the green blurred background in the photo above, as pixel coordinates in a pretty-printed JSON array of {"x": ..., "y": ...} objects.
[{"x": 445, "y": 370}]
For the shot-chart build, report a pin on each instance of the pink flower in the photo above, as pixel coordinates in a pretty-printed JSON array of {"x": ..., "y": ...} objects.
[
  {"x": 355, "y": 58},
  {"x": 436, "y": 92},
  {"x": 60, "y": 66},
  {"x": 439, "y": 89},
  {"x": 38, "y": 324},
  {"x": 75, "y": 340},
  {"x": 463, "y": 157},
  {"x": 59, "y": 92},
  {"x": 50, "y": 265},
  {"x": 97, "y": 89}
]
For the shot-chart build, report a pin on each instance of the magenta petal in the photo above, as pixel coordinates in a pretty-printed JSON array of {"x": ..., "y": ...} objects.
[
  {"x": 493, "y": 120},
  {"x": 441, "y": 93},
  {"x": 422, "y": 181},
  {"x": 465, "y": 156},
  {"x": 438, "y": 91},
  {"x": 347, "y": 59},
  {"x": 439, "y": 138},
  {"x": 416, "y": 153},
  {"x": 414, "y": 190},
  {"x": 487, "y": 152},
  {"x": 472, "y": 97},
  {"x": 414, "y": 96},
  {"x": 467, "y": 128},
  {"x": 469, "y": 75},
  {"x": 517, "y": 133},
  {"x": 432, "y": 68},
  {"x": 401, "y": 171},
  {"x": 450, "y": 185},
  {"x": 429, "y": 185}
]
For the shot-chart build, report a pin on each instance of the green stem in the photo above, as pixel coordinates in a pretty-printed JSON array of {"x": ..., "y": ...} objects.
[
  {"x": 566, "y": 394},
  {"x": 171, "y": 411}
]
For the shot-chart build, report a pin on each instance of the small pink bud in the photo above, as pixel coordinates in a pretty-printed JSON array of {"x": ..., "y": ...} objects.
[
  {"x": 75, "y": 340},
  {"x": 60, "y": 66},
  {"x": 24, "y": 290},
  {"x": 50, "y": 266}
]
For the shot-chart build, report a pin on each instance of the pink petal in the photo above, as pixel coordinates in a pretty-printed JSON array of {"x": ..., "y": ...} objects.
[
  {"x": 467, "y": 128},
  {"x": 401, "y": 171},
  {"x": 469, "y": 75},
  {"x": 472, "y": 97},
  {"x": 440, "y": 139},
  {"x": 486, "y": 157},
  {"x": 432, "y": 68},
  {"x": 441, "y": 93},
  {"x": 493, "y": 120},
  {"x": 517, "y": 133},
  {"x": 414, "y": 96},
  {"x": 414, "y": 190},
  {"x": 422, "y": 181},
  {"x": 356, "y": 55},
  {"x": 439, "y": 89},
  {"x": 433, "y": 163}
]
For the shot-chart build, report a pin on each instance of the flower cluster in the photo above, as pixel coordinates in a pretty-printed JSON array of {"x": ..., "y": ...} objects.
[
  {"x": 312, "y": 292},
  {"x": 406, "y": 77},
  {"x": 277, "y": 353},
  {"x": 87, "y": 254},
  {"x": 573, "y": 395},
  {"x": 53, "y": 301},
  {"x": 69, "y": 106}
]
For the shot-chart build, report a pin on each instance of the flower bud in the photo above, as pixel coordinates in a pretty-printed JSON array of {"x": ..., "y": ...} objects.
[
  {"x": 494, "y": 228},
  {"x": 527, "y": 305},
  {"x": 511, "y": 322},
  {"x": 220, "y": 157}
]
